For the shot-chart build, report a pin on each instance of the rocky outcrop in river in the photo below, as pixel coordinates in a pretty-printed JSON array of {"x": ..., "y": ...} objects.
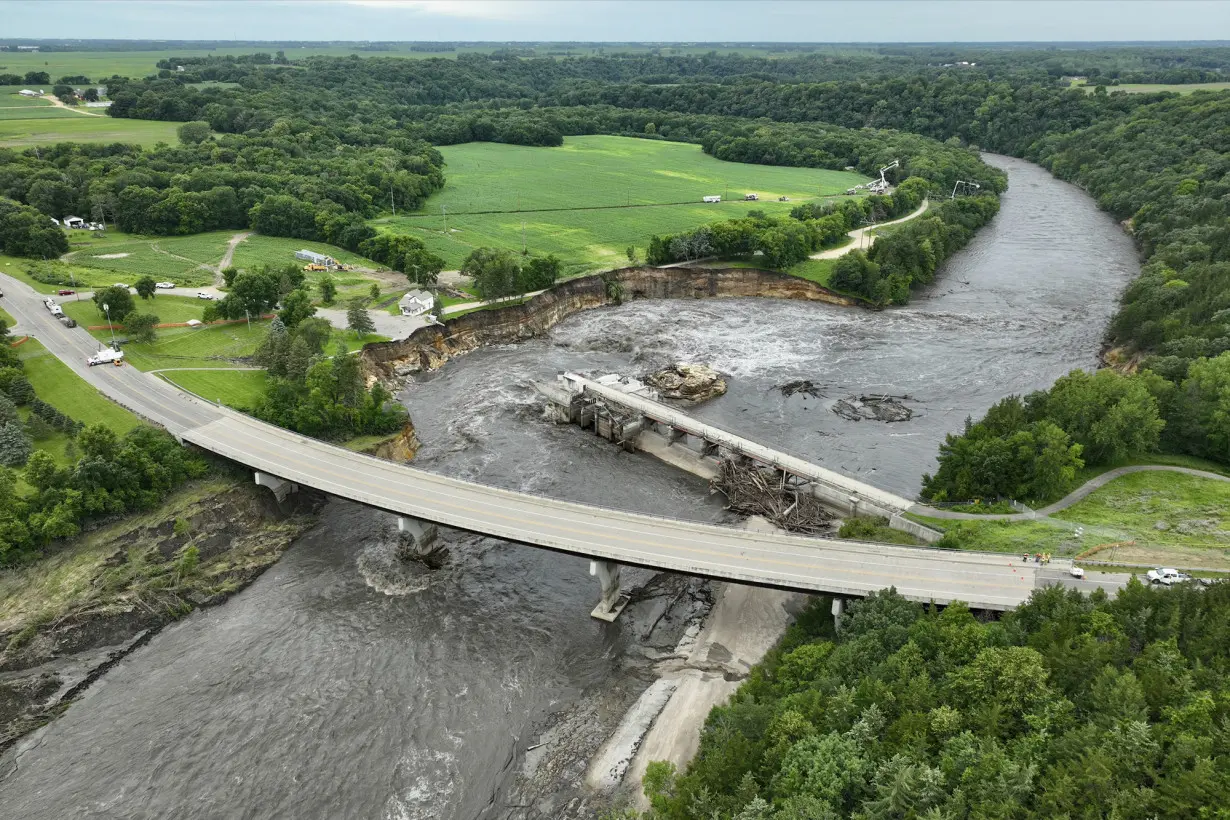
[
  {"x": 430, "y": 347},
  {"x": 692, "y": 383}
]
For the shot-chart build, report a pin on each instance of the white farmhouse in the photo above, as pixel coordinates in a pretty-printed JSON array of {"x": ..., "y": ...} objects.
[
  {"x": 416, "y": 303},
  {"x": 74, "y": 222}
]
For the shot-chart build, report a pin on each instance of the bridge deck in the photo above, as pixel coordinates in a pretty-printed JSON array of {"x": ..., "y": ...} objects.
[{"x": 808, "y": 564}]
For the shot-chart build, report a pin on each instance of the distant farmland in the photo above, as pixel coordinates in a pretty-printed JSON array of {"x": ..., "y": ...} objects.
[{"x": 574, "y": 200}]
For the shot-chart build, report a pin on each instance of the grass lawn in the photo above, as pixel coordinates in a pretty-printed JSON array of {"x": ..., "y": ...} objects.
[
  {"x": 30, "y": 112},
  {"x": 1149, "y": 88},
  {"x": 1147, "y": 518},
  {"x": 168, "y": 309},
  {"x": 235, "y": 388},
  {"x": 60, "y": 387},
  {"x": 211, "y": 346},
  {"x": 1190, "y": 462},
  {"x": 10, "y": 97},
  {"x": 276, "y": 250},
  {"x": 80, "y": 128},
  {"x": 601, "y": 174},
  {"x": 815, "y": 270},
  {"x": 8, "y": 320}
]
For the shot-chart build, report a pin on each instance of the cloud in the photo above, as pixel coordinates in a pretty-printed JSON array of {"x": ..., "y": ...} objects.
[{"x": 472, "y": 9}]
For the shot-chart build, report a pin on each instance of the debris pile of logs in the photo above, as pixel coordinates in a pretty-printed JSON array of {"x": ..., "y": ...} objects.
[{"x": 766, "y": 492}]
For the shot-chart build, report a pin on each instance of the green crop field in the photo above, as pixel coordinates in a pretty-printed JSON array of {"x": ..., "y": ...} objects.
[
  {"x": 83, "y": 128},
  {"x": 1149, "y": 88},
  {"x": 590, "y": 181},
  {"x": 125, "y": 257},
  {"x": 235, "y": 388}
]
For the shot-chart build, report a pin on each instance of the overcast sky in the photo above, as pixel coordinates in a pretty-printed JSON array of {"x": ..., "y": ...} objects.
[{"x": 620, "y": 20}]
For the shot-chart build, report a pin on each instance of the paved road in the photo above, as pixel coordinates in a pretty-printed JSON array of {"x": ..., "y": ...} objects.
[{"x": 991, "y": 581}]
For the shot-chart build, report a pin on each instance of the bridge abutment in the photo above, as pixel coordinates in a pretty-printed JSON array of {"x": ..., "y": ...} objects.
[
  {"x": 613, "y": 602},
  {"x": 280, "y": 486}
]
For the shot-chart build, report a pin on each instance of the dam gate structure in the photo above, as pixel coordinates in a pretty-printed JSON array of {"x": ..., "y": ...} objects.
[{"x": 629, "y": 413}]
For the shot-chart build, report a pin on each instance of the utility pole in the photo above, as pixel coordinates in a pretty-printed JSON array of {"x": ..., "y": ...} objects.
[
  {"x": 391, "y": 202},
  {"x": 444, "y": 210},
  {"x": 524, "y": 247},
  {"x": 107, "y": 310}
]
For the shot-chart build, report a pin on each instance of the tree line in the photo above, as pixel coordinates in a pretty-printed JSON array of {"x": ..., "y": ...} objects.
[{"x": 1070, "y": 706}]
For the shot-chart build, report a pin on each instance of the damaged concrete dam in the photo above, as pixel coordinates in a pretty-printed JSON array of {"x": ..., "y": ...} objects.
[{"x": 416, "y": 693}]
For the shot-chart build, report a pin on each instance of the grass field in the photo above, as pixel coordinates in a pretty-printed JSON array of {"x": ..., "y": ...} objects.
[
  {"x": 1148, "y": 88},
  {"x": 167, "y": 308},
  {"x": 7, "y": 318},
  {"x": 592, "y": 180},
  {"x": 10, "y": 97},
  {"x": 1149, "y": 517},
  {"x": 277, "y": 251},
  {"x": 212, "y": 346},
  {"x": 816, "y": 270},
  {"x": 123, "y": 257},
  {"x": 80, "y": 128},
  {"x": 235, "y": 388},
  {"x": 66, "y": 391},
  {"x": 24, "y": 113}
]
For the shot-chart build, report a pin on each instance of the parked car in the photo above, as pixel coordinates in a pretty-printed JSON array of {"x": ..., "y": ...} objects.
[
  {"x": 1076, "y": 572},
  {"x": 119, "y": 285},
  {"x": 68, "y": 321},
  {"x": 65, "y": 292},
  {"x": 164, "y": 285},
  {"x": 1166, "y": 576},
  {"x": 200, "y": 294}
]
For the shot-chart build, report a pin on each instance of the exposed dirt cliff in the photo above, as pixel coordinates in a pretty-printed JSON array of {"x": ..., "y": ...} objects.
[{"x": 430, "y": 347}]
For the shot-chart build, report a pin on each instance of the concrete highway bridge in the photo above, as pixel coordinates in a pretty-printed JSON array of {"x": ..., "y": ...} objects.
[{"x": 283, "y": 460}]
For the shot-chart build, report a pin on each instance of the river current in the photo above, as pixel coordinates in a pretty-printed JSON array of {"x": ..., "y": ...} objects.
[{"x": 342, "y": 685}]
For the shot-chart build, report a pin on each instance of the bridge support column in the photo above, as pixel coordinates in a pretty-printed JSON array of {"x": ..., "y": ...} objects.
[
  {"x": 421, "y": 535},
  {"x": 839, "y": 609},
  {"x": 280, "y": 486},
  {"x": 709, "y": 449},
  {"x": 612, "y": 602},
  {"x": 676, "y": 435}
]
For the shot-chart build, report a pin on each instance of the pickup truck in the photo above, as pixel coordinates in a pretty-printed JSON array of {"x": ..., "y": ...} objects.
[
  {"x": 105, "y": 356},
  {"x": 1166, "y": 576}
]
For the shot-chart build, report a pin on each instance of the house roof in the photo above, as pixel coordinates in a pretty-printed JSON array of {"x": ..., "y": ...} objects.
[{"x": 421, "y": 296}]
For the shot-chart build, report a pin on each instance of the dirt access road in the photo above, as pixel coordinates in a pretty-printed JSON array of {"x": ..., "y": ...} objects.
[{"x": 868, "y": 231}]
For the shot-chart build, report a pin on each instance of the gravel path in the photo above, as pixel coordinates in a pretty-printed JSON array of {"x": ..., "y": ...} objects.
[
  {"x": 1068, "y": 500},
  {"x": 858, "y": 233}
]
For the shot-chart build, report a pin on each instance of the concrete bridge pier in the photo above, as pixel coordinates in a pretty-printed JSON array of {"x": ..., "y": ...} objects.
[
  {"x": 613, "y": 602},
  {"x": 421, "y": 534},
  {"x": 280, "y": 486},
  {"x": 839, "y": 609}
]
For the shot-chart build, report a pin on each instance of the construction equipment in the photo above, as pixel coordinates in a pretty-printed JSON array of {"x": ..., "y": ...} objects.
[
  {"x": 967, "y": 185},
  {"x": 881, "y": 186},
  {"x": 313, "y": 267}
]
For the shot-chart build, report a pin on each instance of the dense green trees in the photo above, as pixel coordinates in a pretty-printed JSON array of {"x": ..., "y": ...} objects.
[
  {"x": 1068, "y": 707},
  {"x": 500, "y": 274},
  {"x": 112, "y": 475},
  {"x": 317, "y": 394},
  {"x": 114, "y": 303},
  {"x": 1031, "y": 449},
  {"x": 25, "y": 231}
]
